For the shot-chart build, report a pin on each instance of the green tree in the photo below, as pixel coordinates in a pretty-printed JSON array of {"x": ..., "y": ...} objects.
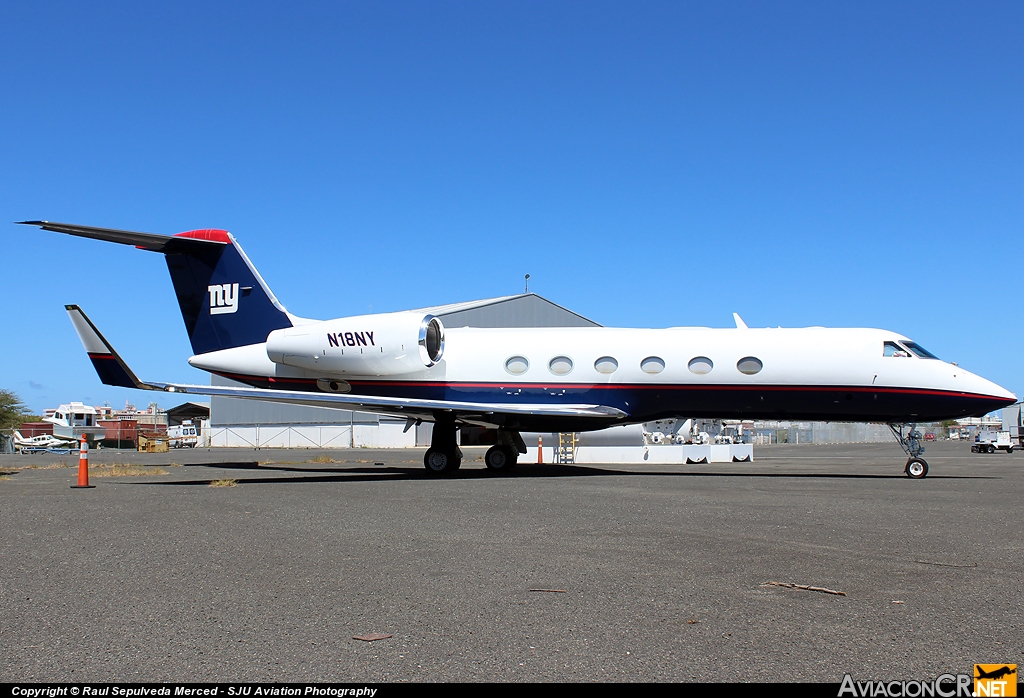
[{"x": 12, "y": 410}]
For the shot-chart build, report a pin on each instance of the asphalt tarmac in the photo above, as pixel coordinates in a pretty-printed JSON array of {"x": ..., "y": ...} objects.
[{"x": 552, "y": 573}]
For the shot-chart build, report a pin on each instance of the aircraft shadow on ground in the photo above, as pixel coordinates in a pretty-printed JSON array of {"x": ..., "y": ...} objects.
[{"x": 367, "y": 473}]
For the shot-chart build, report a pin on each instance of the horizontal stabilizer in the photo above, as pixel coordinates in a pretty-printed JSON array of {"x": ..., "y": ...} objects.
[{"x": 168, "y": 244}]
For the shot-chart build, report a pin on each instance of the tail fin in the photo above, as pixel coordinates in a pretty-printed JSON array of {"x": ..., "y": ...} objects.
[{"x": 224, "y": 301}]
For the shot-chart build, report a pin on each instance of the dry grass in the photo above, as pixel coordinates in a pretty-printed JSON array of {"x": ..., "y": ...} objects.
[
  {"x": 123, "y": 470},
  {"x": 322, "y": 459},
  {"x": 51, "y": 466},
  {"x": 174, "y": 465},
  {"x": 223, "y": 483}
]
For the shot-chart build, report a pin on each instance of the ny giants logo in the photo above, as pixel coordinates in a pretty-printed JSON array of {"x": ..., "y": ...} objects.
[
  {"x": 223, "y": 298},
  {"x": 350, "y": 339}
]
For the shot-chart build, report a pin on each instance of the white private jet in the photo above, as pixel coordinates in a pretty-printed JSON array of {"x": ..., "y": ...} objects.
[{"x": 534, "y": 379}]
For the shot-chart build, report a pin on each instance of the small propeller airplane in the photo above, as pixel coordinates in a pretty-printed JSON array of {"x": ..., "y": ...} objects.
[
  {"x": 42, "y": 443},
  {"x": 529, "y": 379}
]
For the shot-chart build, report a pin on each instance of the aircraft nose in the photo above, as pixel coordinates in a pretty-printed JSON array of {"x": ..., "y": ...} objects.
[{"x": 999, "y": 396}]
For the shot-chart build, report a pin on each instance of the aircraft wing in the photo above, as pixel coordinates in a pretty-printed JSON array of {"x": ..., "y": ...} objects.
[
  {"x": 403, "y": 407},
  {"x": 113, "y": 370}
]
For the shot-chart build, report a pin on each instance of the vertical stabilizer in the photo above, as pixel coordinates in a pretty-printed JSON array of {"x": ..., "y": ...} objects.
[{"x": 224, "y": 301}]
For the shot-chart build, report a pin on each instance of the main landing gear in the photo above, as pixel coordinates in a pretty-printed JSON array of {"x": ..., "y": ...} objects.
[
  {"x": 444, "y": 456},
  {"x": 504, "y": 455},
  {"x": 909, "y": 439}
]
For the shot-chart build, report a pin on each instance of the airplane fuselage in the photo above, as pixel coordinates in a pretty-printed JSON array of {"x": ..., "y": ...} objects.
[{"x": 804, "y": 373}]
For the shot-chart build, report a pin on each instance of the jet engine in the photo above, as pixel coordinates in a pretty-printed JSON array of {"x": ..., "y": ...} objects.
[{"x": 387, "y": 344}]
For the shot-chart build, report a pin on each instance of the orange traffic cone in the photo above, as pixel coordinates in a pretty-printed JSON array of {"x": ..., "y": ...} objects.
[
  {"x": 540, "y": 450},
  {"x": 83, "y": 466}
]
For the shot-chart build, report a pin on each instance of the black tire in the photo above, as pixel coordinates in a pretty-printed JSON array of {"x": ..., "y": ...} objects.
[
  {"x": 500, "y": 458},
  {"x": 438, "y": 462},
  {"x": 991, "y": 448},
  {"x": 917, "y": 468},
  {"x": 1009, "y": 449}
]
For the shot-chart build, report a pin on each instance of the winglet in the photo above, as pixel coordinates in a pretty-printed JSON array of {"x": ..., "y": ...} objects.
[
  {"x": 110, "y": 367},
  {"x": 740, "y": 325}
]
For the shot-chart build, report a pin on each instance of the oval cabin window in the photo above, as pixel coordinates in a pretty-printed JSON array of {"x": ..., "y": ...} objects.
[
  {"x": 560, "y": 365},
  {"x": 701, "y": 365},
  {"x": 517, "y": 365},
  {"x": 652, "y": 364},
  {"x": 749, "y": 365},
  {"x": 606, "y": 364}
]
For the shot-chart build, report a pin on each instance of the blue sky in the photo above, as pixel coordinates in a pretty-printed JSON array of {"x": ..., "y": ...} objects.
[{"x": 649, "y": 164}]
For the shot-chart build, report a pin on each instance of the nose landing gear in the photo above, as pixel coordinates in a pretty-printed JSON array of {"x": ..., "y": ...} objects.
[{"x": 909, "y": 439}]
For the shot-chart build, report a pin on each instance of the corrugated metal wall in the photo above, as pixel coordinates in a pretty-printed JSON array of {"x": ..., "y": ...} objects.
[{"x": 228, "y": 411}]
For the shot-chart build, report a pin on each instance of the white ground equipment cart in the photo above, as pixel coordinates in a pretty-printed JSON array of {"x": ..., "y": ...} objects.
[{"x": 990, "y": 441}]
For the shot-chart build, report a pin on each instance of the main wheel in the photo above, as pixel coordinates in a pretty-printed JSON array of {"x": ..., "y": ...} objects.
[
  {"x": 500, "y": 458},
  {"x": 991, "y": 448},
  {"x": 916, "y": 468},
  {"x": 438, "y": 462}
]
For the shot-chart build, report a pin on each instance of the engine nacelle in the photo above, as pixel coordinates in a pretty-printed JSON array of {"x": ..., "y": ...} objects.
[{"x": 387, "y": 344}]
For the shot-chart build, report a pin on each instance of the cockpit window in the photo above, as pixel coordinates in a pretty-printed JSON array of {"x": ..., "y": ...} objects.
[
  {"x": 894, "y": 349},
  {"x": 919, "y": 351},
  {"x": 905, "y": 349}
]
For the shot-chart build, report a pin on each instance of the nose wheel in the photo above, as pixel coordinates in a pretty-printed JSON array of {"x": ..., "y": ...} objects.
[{"x": 916, "y": 468}]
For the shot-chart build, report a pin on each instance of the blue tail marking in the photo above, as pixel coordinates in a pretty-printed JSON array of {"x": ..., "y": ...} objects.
[{"x": 224, "y": 301}]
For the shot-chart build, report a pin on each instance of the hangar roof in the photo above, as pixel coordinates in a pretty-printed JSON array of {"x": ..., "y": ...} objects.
[
  {"x": 522, "y": 310},
  {"x": 188, "y": 410}
]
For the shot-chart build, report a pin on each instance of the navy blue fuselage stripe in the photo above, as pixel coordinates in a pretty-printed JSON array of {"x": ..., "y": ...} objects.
[
  {"x": 255, "y": 315},
  {"x": 648, "y": 402}
]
